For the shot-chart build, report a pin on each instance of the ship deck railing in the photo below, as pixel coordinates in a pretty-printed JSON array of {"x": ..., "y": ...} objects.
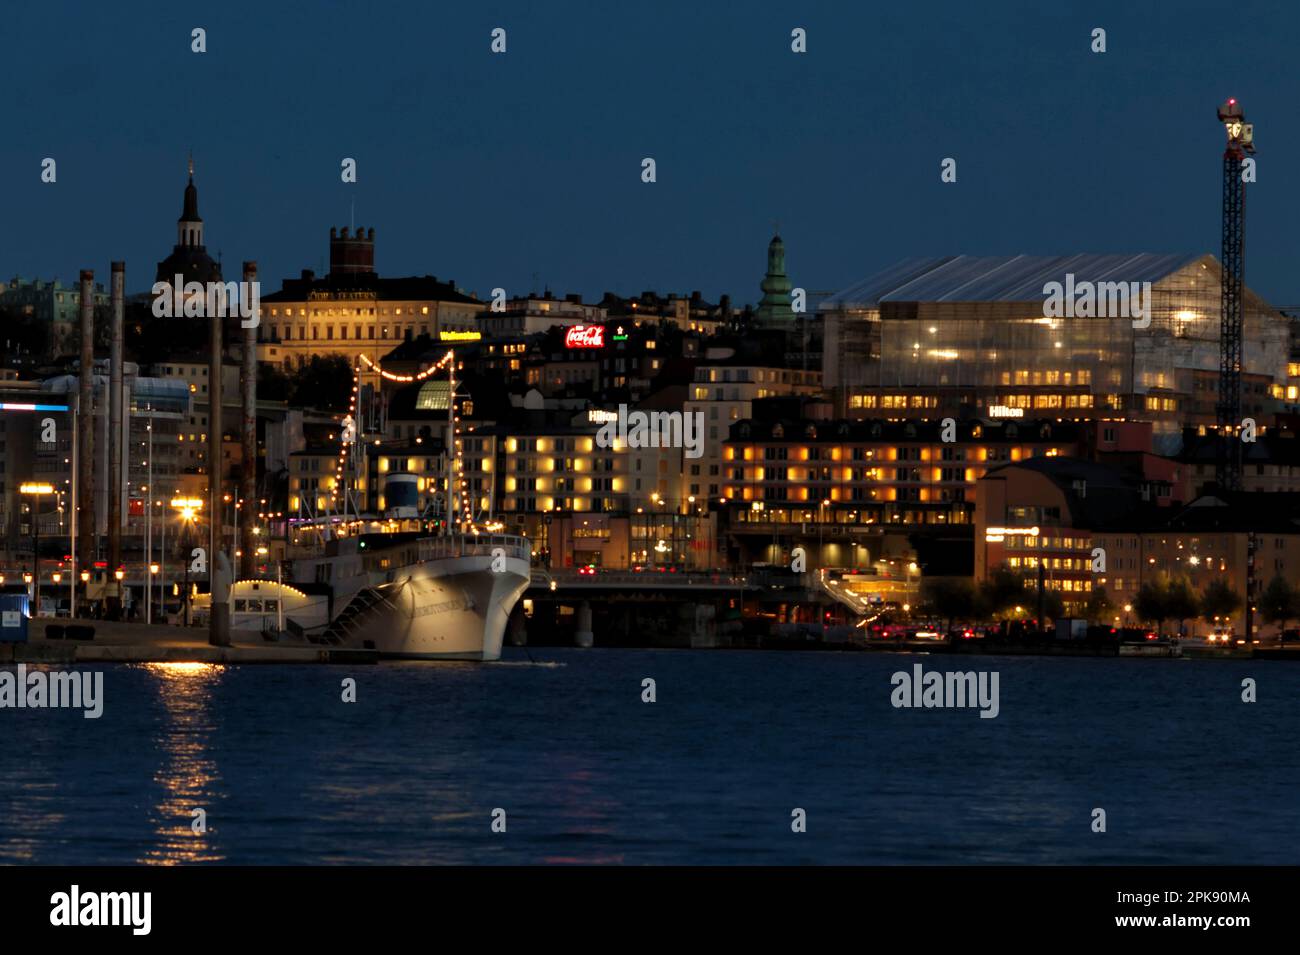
[{"x": 473, "y": 545}]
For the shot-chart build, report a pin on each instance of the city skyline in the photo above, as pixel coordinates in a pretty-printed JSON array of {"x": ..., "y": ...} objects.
[{"x": 478, "y": 192}]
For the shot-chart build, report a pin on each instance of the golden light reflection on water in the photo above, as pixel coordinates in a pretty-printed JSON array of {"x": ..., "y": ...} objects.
[{"x": 186, "y": 773}]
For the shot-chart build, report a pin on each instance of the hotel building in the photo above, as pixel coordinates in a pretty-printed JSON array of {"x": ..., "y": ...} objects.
[{"x": 352, "y": 312}]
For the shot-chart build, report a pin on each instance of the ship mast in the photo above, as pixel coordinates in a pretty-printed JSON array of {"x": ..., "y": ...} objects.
[{"x": 451, "y": 440}]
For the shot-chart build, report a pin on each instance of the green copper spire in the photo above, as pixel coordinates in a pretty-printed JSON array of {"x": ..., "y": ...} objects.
[{"x": 774, "y": 309}]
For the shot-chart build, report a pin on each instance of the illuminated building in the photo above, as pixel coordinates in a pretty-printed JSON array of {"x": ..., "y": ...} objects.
[
  {"x": 1208, "y": 540},
  {"x": 689, "y": 314},
  {"x": 534, "y": 314},
  {"x": 724, "y": 393},
  {"x": 963, "y": 335},
  {"x": 849, "y": 491},
  {"x": 353, "y": 312},
  {"x": 1046, "y": 512}
]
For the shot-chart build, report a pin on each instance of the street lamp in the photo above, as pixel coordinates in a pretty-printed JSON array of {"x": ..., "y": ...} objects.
[
  {"x": 188, "y": 508},
  {"x": 35, "y": 489},
  {"x": 148, "y": 594},
  {"x": 821, "y": 523}
]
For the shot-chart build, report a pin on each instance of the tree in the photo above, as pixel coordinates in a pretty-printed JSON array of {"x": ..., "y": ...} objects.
[
  {"x": 324, "y": 382},
  {"x": 1181, "y": 602},
  {"x": 1152, "y": 602},
  {"x": 1219, "y": 600},
  {"x": 1053, "y": 606},
  {"x": 999, "y": 592},
  {"x": 1279, "y": 602},
  {"x": 950, "y": 599},
  {"x": 1099, "y": 606},
  {"x": 272, "y": 383}
]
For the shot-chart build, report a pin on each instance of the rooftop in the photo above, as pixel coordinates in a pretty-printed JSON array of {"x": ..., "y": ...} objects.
[{"x": 1000, "y": 278}]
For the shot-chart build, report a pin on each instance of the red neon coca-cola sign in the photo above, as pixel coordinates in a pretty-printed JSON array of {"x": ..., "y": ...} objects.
[{"x": 585, "y": 336}]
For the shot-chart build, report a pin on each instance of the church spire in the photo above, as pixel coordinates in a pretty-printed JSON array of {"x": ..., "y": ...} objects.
[
  {"x": 189, "y": 228},
  {"x": 774, "y": 310}
]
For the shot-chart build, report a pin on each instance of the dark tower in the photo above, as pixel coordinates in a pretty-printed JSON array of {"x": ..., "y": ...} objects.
[
  {"x": 189, "y": 257},
  {"x": 1241, "y": 141}
]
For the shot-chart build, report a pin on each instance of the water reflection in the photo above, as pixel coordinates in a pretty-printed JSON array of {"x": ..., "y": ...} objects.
[
  {"x": 582, "y": 793},
  {"x": 186, "y": 774}
]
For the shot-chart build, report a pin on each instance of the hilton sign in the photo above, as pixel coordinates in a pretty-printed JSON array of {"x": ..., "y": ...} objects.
[{"x": 585, "y": 336}]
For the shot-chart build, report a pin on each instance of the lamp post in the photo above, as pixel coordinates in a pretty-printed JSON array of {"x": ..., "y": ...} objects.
[
  {"x": 188, "y": 507},
  {"x": 911, "y": 569},
  {"x": 821, "y": 524},
  {"x": 35, "y": 489},
  {"x": 148, "y": 594}
]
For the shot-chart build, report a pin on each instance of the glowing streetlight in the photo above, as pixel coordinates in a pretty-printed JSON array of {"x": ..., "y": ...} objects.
[
  {"x": 36, "y": 489},
  {"x": 188, "y": 508}
]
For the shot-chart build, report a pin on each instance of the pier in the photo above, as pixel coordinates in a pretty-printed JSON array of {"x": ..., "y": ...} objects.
[{"x": 119, "y": 642}]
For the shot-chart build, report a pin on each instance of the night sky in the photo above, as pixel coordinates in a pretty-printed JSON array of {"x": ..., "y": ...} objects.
[{"x": 492, "y": 169}]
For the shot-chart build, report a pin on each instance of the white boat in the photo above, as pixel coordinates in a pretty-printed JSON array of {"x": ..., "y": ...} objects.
[{"x": 426, "y": 598}]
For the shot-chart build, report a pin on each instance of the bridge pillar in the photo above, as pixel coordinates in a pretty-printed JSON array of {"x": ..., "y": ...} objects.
[
  {"x": 583, "y": 637},
  {"x": 699, "y": 621}
]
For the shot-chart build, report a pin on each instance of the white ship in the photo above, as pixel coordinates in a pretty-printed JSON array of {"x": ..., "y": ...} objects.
[
  {"x": 422, "y": 598},
  {"x": 414, "y": 597}
]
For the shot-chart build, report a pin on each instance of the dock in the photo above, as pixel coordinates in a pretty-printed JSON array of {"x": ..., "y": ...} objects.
[{"x": 116, "y": 642}]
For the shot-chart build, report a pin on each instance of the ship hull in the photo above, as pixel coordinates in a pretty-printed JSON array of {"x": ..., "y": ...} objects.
[{"x": 454, "y": 608}]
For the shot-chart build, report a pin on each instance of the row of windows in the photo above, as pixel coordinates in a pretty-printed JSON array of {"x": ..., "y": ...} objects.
[
  {"x": 385, "y": 332},
  {"x": 342, "y": 312}
]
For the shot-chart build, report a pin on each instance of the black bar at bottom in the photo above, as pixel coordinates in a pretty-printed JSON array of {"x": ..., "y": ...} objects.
[{"x": 205, "y": 904}]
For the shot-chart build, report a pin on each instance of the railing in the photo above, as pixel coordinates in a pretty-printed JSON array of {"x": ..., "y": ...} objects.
[
  {"x": 473, "y": 545},
  {"x": 600, "y": 579}
]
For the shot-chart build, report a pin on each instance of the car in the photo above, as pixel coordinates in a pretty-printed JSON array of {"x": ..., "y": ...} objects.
[{"x": 1290, "y": 636}]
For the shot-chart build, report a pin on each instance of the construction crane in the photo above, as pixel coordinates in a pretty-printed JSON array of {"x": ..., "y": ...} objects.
[{"x": 1241, "y": 142}]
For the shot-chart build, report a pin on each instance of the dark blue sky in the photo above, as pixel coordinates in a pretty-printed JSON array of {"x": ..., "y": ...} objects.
[{"x": 490, "y": 169}]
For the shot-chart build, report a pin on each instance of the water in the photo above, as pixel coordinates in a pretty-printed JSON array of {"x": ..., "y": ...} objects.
[{"x": 710, "y": 773}]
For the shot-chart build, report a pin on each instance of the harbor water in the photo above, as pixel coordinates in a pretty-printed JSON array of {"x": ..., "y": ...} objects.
[{"x": 584, "y": 770}]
